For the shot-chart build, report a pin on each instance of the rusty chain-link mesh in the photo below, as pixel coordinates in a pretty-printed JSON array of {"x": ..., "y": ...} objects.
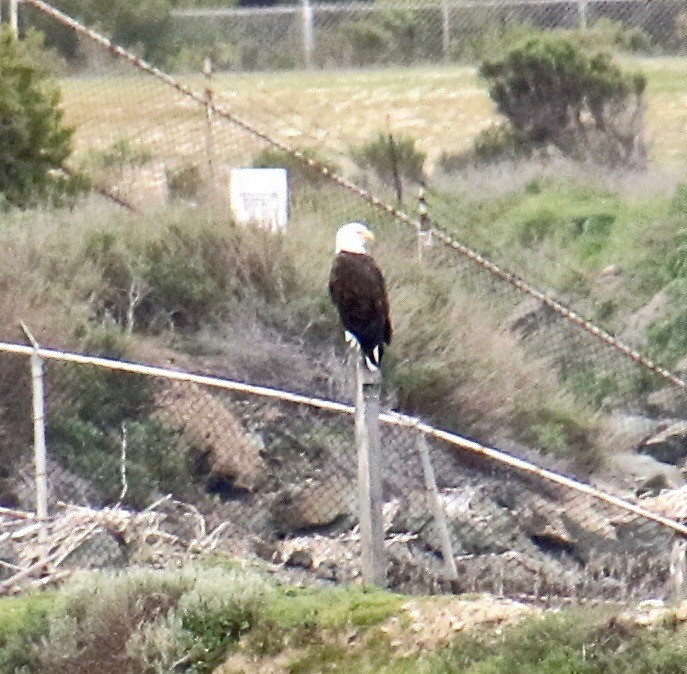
[
  {"x": 277, "y": 480},
  {"x": 357, "y": 34}
]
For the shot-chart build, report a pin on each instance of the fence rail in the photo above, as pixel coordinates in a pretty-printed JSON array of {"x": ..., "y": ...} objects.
[
  {"x": 271, "y": 470},
  {"x": 283, "y": 467}
]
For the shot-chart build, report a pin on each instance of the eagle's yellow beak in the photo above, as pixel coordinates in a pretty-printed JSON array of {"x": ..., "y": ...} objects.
[{"x": 369, "y": 236}]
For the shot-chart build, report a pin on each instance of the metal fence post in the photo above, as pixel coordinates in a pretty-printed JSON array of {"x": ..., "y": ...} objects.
[
  {"x": 38, "y": 401},
  {"x": 424, "y": 234},
  {"x": 370, "y": 506},
  {"x": 14, "y": 17},
  {"x": 582, "y": 11},
  {"x": 437, "y": 507},
  {"x": 308, "y": 34},
  {"x": 445, "y": 31}
]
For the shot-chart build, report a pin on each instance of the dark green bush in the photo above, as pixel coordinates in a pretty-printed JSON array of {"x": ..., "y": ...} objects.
[
  {"x": 157, "y": 459},
  {"x": 388, "y": 37},
  {"x": 184, "y": 182},
  {"x": 393, "y": 160},
  {"x": 132, "y": 23},
  {"x": 555, "y": 95},
  {"x": 34, "y": 142},
  {"x": 122, "y": 152}
]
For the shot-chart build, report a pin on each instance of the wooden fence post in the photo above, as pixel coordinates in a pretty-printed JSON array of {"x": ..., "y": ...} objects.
[
  {"x": 209, "y": 135},
  {"x": 437, "y": 507},
  {"x": 370, "y": 503}
]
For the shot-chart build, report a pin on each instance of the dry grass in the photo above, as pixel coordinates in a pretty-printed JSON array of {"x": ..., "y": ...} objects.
[{"x": 442, "y": 107}]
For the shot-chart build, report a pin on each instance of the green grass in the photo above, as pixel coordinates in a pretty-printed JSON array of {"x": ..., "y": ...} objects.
[
  {"x": 306, "y": 631},
  {"x": 333, "y": 608}
]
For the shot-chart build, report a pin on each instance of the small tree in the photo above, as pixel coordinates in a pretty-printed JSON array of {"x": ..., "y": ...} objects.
[
  {"x": 554, "y": 94},
  {"x": 33, "y": 140},
  {"x": 392, "y": 159}
]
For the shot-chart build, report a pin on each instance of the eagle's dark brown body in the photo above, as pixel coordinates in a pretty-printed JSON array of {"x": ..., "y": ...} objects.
[{"x": 358, "y": 291}]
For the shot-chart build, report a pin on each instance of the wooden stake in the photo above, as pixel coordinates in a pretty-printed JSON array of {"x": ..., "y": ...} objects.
[
  {"x": 369, "y": 474},
  {"x": 437, "y": 507}
]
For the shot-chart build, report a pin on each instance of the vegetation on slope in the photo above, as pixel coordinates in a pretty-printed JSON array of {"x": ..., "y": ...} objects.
[{"x": 214, "y": 619}]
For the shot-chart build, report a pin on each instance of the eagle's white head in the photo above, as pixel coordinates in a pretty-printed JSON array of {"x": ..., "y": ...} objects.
[{"x": 354, "y": 238}]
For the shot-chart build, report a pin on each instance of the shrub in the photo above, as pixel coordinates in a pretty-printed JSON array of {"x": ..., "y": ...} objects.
[
  {"x": 554, "y": 95},
  {"x": 143, "y": 24},
  {"x": 145, "y": 620},
  {"x": 184, "y": 182},
  {"x": 157, "y": 459},
  {"x": 496, "y": 143},
  {"x": 122, "y": 152},
  {"x": 34, "y": 143},
  {"x": 185, "y": 278},
  {"x": 392, "y": 159},
  {"x": 23, "y": 622},
  {"x": 391, "y": 36}
]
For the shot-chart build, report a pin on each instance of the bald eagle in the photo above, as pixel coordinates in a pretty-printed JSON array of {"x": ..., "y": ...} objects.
[{"x": 357, "y": 289}]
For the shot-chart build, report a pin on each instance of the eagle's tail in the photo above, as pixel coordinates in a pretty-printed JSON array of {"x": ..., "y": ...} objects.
[{"x": 373, "y": 357}]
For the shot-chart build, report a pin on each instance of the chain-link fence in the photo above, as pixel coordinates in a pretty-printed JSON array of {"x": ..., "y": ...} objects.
[
  {"x": 281, "y": 474},
  {"x": 273, "y": 475},
  {"x": 361, "y": 34}
]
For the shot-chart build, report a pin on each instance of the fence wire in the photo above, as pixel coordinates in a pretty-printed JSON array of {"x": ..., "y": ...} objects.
[
  {"x": 276, "y": 478},
  {"x": 352, "y": 35},
  {"x": 282, "y": 473}
]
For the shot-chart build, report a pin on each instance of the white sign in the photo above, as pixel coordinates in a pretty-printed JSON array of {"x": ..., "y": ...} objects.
[{"x": 259, "y": 196}]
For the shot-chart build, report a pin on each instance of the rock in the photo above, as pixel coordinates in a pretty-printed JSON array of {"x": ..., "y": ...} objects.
[
  {"x": 266, "y": 550},
  {"x": 102, "y": 550},
  {"x": 669, "y": 446},
  {"x": 328, "y": 570},
  {"x": 667, "y": 402},
  {"x": 223, "y": 449},
  {"x": 623, "y": 433},
  {"x": 644, "y": 474},
  {"x": 542, "y": 521},
  {"x": 476, "y": 523},
  {"x": 179, "y": 520},
  {"x": 8, "y": 555},
  {"x": 64, "y": 485},
  {"x": 302, "y": 558},
  {"x": 314, "y": 504}
]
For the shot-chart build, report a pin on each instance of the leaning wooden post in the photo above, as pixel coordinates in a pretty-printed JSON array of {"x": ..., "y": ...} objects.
[
  {"x": 437, "y": 507},
  {"x": 370, "y": 504},
  {"x": 40, "y": 461}
]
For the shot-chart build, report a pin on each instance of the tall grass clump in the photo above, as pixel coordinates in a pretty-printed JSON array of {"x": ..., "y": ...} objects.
[{"x": 186, "y": 273}]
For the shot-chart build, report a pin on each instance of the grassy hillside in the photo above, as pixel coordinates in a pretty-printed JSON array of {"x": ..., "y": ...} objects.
[
  {"x": 229, "y": 621},
  {"x": 251, "y": 305}
]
